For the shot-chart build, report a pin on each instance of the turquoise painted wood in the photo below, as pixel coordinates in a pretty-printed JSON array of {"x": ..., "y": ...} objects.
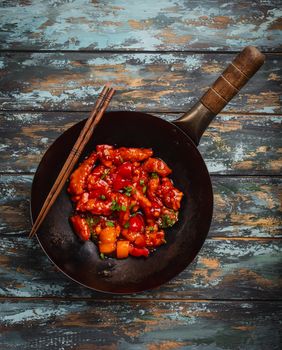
[
  {"x": 145, "y": 81},
  {"x": 226, "y": 268},
  {"x": 140, "y": 25},
  {"x": 206, "y": 325},
  {"x": 233, "y": 144},
  {"x": 161, "y": 55}
]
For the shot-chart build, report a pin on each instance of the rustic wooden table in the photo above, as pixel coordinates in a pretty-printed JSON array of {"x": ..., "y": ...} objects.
[{"x": 161, "y": 55}]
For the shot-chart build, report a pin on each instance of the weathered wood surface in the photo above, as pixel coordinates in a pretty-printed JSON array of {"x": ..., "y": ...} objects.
[
  {"x": 224, "y": 269},
  {"x": 230, "y": 296},
  {"x": 140, "y": 25},
  {"x": 39, "y": 324},
  {"x": 244, "y": 207},
  {"x": 151, "y": 82},
  {"x": 233, "y": 144}
]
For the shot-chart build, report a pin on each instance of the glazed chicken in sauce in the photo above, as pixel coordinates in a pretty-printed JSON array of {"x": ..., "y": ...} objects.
[{"x": 123, "y": 201}]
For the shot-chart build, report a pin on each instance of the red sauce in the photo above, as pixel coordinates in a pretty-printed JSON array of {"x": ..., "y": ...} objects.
[{"x": 123, "y": 200}]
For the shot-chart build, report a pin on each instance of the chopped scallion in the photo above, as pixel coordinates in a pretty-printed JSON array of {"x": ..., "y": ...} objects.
[{"x": 110, "y": 224}]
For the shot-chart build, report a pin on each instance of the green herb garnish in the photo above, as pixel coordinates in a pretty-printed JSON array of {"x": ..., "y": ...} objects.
[
  {"x": 126, "y": 225},
  {"x": 103, "y": 197},
  {"x": 144, "y": 189},
  {"x": 123, "y": 207},
  {"x": 110, "y": 224},
  {"x": 115, "y": 206},
  {"x": 154, "y": 176},
  {"x": 131, "y": 206},
  {"x": 167, "y": 221},
  {"x": 102, "y": 256},
  {"x": 151, "y": 229},
  {"x": 141, "y": 182},
  {"x": 92, "y": 221},
  {"x": 105, "y": 173},
  {"x": 128, "y": 191}
]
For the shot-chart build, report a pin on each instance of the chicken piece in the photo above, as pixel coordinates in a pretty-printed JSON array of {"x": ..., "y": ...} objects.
[
  {"x": 81, "y": 227},
  {"x": 153, "y": 212},
  {"x": 142, "y": 200},
  {"x": 105, "y": 154},
  {"x": 134, "y": 154},
  {"x": 152, "y": 188},
  {"x": 97, "y": 206},
  {"x": 154, "y": 239},
  {"x": 152, "y": 209},
  {"x": 78, "y": 178},
  {"x": 82, "y": 200},
  {"x": 100, "y": 189},
  {"x": 97, "y": 173},
  {"x": 139, "y": 175},
  {"x": 109, "y": 175},
  {"x": 134, "y": 231},
  {"x": 137, "y": 238},
  {"x": 168, "y": 218},
  {"x": 155, "y": 165},
  {"x": 124, "y": 212},
  {"x": 170, "y": 195}
]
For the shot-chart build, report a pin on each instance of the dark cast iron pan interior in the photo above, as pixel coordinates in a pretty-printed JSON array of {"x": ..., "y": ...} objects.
[{"x": 80, "y": 260}]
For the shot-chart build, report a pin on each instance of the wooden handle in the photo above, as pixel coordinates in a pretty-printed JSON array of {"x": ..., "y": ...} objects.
[{"x": 235, "y": 76}]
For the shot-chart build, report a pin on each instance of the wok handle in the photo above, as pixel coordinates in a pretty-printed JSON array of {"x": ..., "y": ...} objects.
[{"x": 235, "y": 76}]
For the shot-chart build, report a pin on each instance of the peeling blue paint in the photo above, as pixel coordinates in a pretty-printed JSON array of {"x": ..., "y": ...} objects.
[{"x": 138, "y": 25}]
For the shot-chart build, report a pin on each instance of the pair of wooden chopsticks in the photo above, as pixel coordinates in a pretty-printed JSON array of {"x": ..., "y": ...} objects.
[{"x": 84, "y": 136}]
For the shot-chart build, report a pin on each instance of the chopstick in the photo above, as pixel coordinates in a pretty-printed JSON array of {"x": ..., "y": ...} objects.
[{"x": 95, "y": 116}]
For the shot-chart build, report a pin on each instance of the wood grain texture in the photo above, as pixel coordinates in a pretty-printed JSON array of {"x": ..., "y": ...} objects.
[
  {"x": 233, "y": 144},
  {"x": 158, "y": 325},
  {"x": 135, "y": 25},
  {"x": 224, "y": 269},
  {"x": 244, "y": 207},
  {"x": 161, "y": 56},
  {"x": 151, "y": 82}
]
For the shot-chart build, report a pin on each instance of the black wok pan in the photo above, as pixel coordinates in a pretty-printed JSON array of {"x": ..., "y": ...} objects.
[{"x": 173, "y": 142}]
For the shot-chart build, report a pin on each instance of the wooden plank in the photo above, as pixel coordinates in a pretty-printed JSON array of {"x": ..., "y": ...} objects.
[
  {"x": 244, "y": 207},
  {"x": 151, "y": 82},
  {"x": 135, "y": 25},
  {"x": 233, "y": 144},
  {"x": 224, "y": 269},
  {"x": 42, "y": 324}
]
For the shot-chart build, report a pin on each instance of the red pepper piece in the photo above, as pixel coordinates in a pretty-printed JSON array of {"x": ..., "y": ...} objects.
[
  {"x": 81, "y": 227},
  {"x": 136, "y": 223},
  {"x": 140, "y": 241},
  {"x": 123, "y": 177},
  {"x": 120, "y": 183},
  {"x": 125, "y": 170},
  {"x": 138, "y": 251}
]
